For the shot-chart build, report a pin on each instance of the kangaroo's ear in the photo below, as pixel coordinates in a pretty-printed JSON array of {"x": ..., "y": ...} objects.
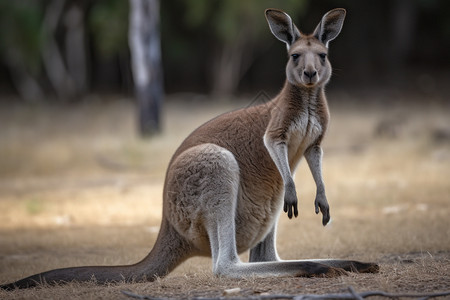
[
  {"x": 281, "y": 26},
  {"x": 330, "y": 26}
]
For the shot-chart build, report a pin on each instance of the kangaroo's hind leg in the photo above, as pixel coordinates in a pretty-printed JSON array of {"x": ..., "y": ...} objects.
[{"x": 217, "y": 198}]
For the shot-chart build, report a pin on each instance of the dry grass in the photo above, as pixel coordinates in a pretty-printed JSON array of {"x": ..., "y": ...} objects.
[{"x": 78, "y": 187}]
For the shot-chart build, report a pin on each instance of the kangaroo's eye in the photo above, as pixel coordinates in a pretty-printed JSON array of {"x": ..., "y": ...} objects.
[
  {"x": 323, "y": 56},
  {"x": 295, "y": 55}
]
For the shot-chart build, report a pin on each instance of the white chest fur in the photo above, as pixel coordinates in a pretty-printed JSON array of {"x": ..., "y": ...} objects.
[{"x": 304, "y": 132}]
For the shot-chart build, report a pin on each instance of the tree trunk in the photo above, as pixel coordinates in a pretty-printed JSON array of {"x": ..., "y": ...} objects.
[
  {"x": 75, "y": 48},
  {"x": 27, "y": 86},
  {"x": 51, "y": 54},
  {"x": 229, "y": 66},
  {"x": 404, "y": 16},
  {"x": 145, "y": 46}
]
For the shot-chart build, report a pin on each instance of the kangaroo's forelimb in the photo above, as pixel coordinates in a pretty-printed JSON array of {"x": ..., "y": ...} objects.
[
  {"x": 314, "y": 158},
  {"x": 278, "y": 151}
]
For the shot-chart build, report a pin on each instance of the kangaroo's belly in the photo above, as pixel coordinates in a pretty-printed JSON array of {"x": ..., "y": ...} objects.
[{"x": 260, "y": 197}]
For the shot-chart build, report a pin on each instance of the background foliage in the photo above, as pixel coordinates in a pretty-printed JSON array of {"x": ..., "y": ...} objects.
[{"x": 221, "y": 47}]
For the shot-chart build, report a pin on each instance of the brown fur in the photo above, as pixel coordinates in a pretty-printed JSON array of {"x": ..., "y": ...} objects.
[{"x": 230, "y": 178}]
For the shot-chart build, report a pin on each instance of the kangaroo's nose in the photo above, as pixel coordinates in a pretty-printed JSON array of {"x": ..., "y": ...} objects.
[{"x": 310, "y": 74}]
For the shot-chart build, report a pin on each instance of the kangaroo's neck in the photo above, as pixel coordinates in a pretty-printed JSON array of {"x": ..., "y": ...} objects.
[
  {"x": 300, "y": 98},
  {"x": 299, "y": 105}
]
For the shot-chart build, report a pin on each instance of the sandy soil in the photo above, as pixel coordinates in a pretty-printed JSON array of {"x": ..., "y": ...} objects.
[{"x": 78, "y": 187}]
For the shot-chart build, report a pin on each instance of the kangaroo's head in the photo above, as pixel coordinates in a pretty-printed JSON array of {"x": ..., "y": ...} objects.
[{"x": 308, "y": 65}]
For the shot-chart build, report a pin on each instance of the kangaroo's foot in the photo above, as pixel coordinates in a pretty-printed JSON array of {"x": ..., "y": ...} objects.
[{"x": 350, "y": 265}]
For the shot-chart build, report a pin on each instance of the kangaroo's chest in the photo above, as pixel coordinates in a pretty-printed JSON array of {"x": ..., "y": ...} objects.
[{"x": 304, "y": 131}]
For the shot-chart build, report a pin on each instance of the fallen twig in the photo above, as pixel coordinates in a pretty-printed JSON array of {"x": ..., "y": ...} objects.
[
  {"x": 141, "y": 297},
  {"x": 353, "y": 295}
]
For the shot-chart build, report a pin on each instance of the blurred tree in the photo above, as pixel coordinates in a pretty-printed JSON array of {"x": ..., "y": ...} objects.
[
  {"x": 145, "y": 48},
  {"x": 108, "y": 24},
  {"x": 52, "y": 55},
  {"x": 20, "y": 45},
  {"x": 75, "y": 46},
  {"x": 30, "y": 45},
  {"x": 110, "y": 57}
]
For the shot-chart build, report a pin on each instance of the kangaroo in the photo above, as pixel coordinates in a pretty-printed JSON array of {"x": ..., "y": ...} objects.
[{"x": 228, "y": 182}]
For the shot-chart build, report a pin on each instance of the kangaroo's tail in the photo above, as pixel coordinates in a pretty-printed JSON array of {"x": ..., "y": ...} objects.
[{"x": 169, "y": 251}]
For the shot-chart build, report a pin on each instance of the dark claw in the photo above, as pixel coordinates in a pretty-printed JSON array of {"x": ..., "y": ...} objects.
[
  {"x": 325, "y": 219},
  {"x": 325, "y": 216}
]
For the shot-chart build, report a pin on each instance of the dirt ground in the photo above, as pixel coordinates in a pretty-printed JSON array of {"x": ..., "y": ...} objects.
[{"x": 78, "y": 187}]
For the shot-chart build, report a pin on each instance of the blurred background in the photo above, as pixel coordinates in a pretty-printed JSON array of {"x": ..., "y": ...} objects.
[
  {"x": 82, "y": 81},
  {"x": 64, "y": 50}
]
